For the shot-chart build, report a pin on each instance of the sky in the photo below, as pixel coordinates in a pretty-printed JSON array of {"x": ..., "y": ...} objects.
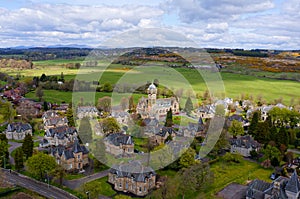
[{"x": 255, "y": 24}]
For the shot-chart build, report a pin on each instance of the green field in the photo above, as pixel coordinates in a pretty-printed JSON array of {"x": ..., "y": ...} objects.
[
  {"x": 225, "y": 174},
  {"x": 235, "y": 84},
  {"x": 55, "y": 96}
]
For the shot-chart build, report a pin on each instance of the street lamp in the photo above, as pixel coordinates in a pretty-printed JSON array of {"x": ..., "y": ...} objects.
[{"x": 88, "y": 194}]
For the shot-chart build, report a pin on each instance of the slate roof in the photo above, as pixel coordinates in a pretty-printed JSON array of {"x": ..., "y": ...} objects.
[
  {"x": 277, "y": 189},
  {"x": 236, "y": 117},
  {"x": 293, "y": 184},
  {"x": 49, "y": 114},
  {"x": 61, "y": 131},
  {"x": 119, "y": 138},
  {"x": 134, "y": 170},
  {"x": 18, "y": 127},
  {"x": 68, "y": 152},
  {"x": 165, "y": 130},
  {"x": 87, "y": 109},
  {"x": 244, "y": 141},
  {"x": 53, "y": 121}
]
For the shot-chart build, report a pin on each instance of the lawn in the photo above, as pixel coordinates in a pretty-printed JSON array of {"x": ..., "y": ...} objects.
[
  {"x": 106, "y": 188},
  {"x": 224, "y": 174},
  {"x": 56, "y": 96},
  {"x": 183, "y": 120}
]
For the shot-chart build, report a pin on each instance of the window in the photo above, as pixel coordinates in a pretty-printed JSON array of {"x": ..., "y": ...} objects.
[
  {"x": 120, "y": 185},
  {"x": 78, "y": 156},
  {"x": 144, "y": 189},
  {"x": 140, "y": 189}
]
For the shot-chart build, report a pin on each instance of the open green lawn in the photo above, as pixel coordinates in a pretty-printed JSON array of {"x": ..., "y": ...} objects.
[
  {"x": 63, "y": 96},
  {"x": 183, "y": 120},
  {"x": 106, "y": 188},
  {"x": 224, "y": 174}
]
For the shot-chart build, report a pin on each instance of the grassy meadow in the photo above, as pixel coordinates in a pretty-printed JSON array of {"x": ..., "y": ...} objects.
[{"x": 234, "y": 84}]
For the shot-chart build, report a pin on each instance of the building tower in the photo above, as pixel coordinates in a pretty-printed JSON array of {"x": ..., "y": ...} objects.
[{"x": 152, "y": 91}]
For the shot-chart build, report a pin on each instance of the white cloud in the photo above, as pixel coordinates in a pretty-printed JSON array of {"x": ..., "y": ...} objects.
[{"x": 219, "y": 23}]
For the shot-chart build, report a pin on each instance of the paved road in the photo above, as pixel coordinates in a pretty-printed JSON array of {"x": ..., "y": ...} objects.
[
  {"x": 36, "y": 186},
  {"x": 73, "y": 184},
  {"x": 13, "y": 146}
]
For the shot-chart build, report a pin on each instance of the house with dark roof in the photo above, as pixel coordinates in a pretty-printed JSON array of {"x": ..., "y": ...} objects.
[
  {"x": 119, "y": 144},
  {"x": 122, "y": 117},
  {"x": 87, "y": 111},
  {"x": 72, "y": 158},
  {"x": 61, "y": 135},
  {"x": 18, "y": 130},
  {"x": 53, "y": 122},
  {"x": 161, "y": 136},
  {"x": 280, "y": 188},
  {"x": 244, "y": 145},
  {"x": 133, "y": 178}
]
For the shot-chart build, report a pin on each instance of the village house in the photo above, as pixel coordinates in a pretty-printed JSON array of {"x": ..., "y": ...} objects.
[
  {"x": 244, "y": 145},
  {"x": 27, "y": 107},
  {"x": 18, "y": 130},
  {"x": 161, "y": 136},
  {"x": 61, "y": 135},
  {"x": 122, "y": 117},
  {"x": 206, "y": 111},
  {"x": 153, "y": 107},
  {"x": 73, "y": 158},
  {"x": 132, "y": 178},
  {"x": 119, "y": 144},
  {"x": 282, "y": 187},
  {"x": 87, "y": 111}
]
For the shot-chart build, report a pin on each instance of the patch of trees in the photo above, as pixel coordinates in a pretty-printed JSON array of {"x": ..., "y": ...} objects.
[
  {"x": 16, "y": 64},
  {"x": 249, "y": 53}
]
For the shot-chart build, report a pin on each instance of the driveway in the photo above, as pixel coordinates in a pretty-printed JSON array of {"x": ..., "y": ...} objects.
[
  {"x": 13, "y": 146},
  {"x": 73, "y": 184}
]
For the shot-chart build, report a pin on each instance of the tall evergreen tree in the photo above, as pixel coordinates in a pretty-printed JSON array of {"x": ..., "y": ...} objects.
[
  {"x": 254, "y": 123},
  {"x": 169, "y": 118},
  {"x": 70, "y": 115},
  {"x": 27, "y": 146},
  {"x": 188, "y": 106},
  {"x": 282, "y": 137},
  {"x": 19, "y": 159}
]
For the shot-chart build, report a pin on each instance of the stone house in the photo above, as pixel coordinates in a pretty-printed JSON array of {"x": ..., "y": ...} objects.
[
  {"x": 119, "y": 144},
  {"x": 162, "y": 135},
  {"x": 55, "y": 122},
  {"x": 154, "y": 107},
  {"x": 206, "y": 111},
  {"x": 244, "y": 145},
  {"x": 122, "y": 117},
  {"x": 18, "y": 130},
  {"x": 27, "y": 107},
  {"x": 132, "y": 178},
  {"x": 282, "y": 187},
  {"x": 87, "y": 111},
  {"x": 73, "y": 158},
  {"x": 61, "y": 135}
]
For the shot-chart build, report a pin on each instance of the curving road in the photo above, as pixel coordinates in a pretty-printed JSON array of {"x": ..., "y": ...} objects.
[
  {"x": 13, "y": 146},
  {"x": 36, "y": 186}
]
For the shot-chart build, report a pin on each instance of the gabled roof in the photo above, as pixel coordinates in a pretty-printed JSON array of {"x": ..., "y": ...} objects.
[
  {"x": 18, "y": 127},
  {"x": 119, "y": 138},
  {"x": 244, "y": 141},
  {"x": 293, "y": 184},
  {"x": 68, "y": 152},
  {"x": 134, "y": 170}
]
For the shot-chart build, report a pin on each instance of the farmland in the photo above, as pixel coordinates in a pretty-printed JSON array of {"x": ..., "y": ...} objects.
[{"x": 235, "y": 84}]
